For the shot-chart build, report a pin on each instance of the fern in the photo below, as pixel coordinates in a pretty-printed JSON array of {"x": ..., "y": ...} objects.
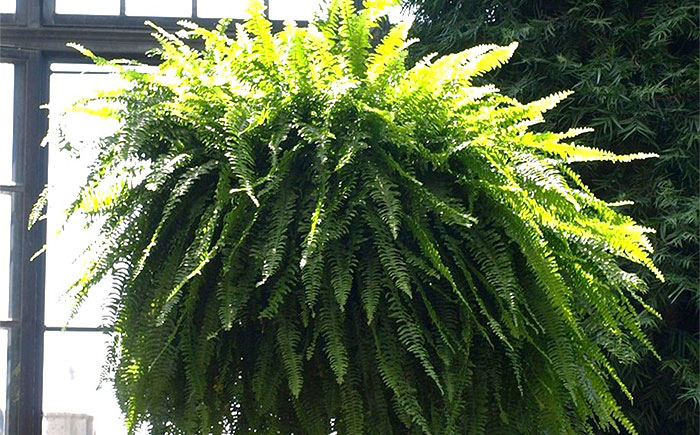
[{"x": 307, "y": 237}]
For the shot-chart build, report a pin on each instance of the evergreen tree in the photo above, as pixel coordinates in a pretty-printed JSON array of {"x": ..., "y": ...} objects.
[{"x": 633, "y": 65}]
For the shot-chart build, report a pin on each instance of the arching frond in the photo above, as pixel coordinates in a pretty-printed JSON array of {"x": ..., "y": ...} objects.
[{"x": 313, "y": 239}]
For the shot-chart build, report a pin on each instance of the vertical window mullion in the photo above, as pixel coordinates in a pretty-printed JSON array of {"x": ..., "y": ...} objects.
[
  {"x": 48, "y": 9},
  {"x": 21, "y": 12},
  {"x": 34, "y": 87},
  {"x": 33, "y": 10},
  {"x": 16, "y": 249}
]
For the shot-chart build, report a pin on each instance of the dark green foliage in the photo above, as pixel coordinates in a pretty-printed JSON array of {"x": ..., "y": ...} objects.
[
  {"x": 307, "y": 237},
  {"x": 634, "y": 68}
]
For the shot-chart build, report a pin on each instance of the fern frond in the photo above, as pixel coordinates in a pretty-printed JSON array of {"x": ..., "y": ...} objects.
[{"x": 307, "y": 237}]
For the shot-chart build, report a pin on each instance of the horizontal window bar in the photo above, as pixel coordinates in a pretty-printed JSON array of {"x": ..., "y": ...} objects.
[
  {"x": 73, "y": 329},
  {"x": 11, "y": 188}
]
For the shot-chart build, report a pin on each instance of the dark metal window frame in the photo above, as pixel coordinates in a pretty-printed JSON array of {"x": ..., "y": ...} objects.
[
  {"x": 26, "y": 277},
  {"x": 122, "y": 20}
]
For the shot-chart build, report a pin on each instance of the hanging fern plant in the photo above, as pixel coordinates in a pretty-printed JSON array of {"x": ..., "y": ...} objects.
[{"x": 306, "y": 237}]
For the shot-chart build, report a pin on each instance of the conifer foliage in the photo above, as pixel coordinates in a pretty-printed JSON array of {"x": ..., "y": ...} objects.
[{"x": 305, "y": 236}]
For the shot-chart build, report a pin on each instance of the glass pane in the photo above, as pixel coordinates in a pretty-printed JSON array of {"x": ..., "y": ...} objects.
[
  {"x": 5, "y": 221},
  {"x": 7, "y": 92},
  {"x": 7, "y": 7},
  {"x": 3, "y": 379},
  {"x": 88, "y": 7},
  {"x": 67, "y": 172},
  {"x": 302, "y": 10},
  {"x": 398, "y": 14},
  {"x": 159, "y": 8},
  {"x": 72, "y": 403},
  {"x": 221, "y": 8}
]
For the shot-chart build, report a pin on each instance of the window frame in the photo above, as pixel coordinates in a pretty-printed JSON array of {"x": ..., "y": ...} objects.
[
  {"x": 50, "y": 18},
  {"x": 122, "y": 21},
  {"x": 26, "y": 277}
]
